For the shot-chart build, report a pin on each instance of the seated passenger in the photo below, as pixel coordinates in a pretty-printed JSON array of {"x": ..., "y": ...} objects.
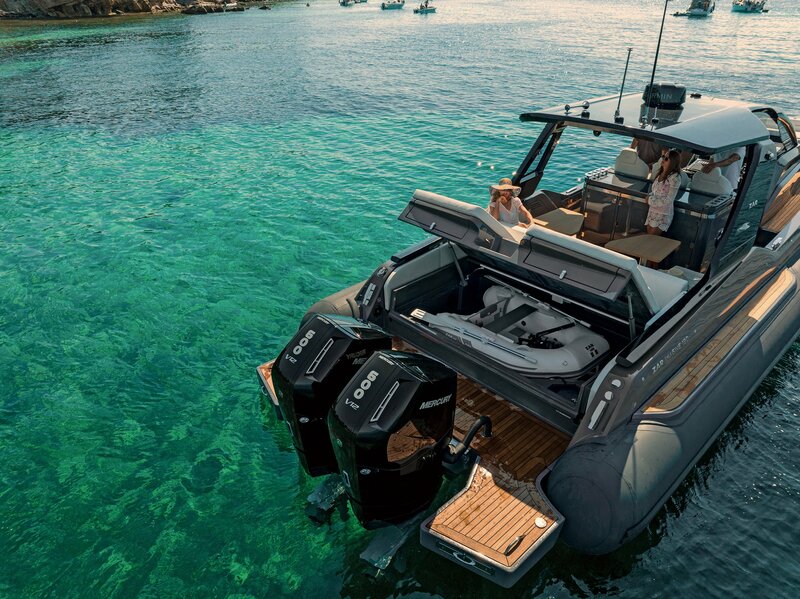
[
  {"x": 662, "y": 195},
  {"x": 505, "y": 206}
]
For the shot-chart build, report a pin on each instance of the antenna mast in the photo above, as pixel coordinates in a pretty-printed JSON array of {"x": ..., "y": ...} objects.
[
  {"x": 655, "y": 62},
  {"x": 618, "y": 119}
]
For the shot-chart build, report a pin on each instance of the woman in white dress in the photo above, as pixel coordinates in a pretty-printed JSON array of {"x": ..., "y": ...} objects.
[
  {"x": 663, "y": 193},
  {"x": 505, "y": 206}
]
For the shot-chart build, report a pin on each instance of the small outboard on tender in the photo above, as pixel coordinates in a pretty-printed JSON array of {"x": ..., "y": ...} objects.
[
  {"x": 309, "y": 374},
  {"x": 390, "y": 429}
]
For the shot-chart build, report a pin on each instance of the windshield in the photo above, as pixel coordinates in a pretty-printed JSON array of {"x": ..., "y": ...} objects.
[{"x": 578, "y": 152}]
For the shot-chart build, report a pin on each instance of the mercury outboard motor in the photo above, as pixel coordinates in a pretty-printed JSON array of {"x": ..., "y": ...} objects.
[
  {"x": 390, "y": 429},
  {"x": 309, "y": 374}
]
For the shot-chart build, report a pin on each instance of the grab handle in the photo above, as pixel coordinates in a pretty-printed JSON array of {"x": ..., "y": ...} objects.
[{"x": 457, "y": 452}]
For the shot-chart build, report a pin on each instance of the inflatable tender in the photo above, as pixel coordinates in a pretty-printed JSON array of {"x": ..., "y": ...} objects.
[{"x": 522, "y": 333}]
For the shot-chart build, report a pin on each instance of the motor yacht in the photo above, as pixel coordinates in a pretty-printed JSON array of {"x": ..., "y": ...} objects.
[
  {"x": 749, "y": 6},
  {"x": 564, "y": 376},
  {"x": 425, "y": 9},
  {"x": 698, "y": 8},
  {"x": 393, "y": 5}
]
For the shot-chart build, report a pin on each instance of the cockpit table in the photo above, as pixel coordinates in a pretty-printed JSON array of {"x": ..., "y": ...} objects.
[
  {"x": 647, "y": 248},
  {"x": 561, "y": 220}
]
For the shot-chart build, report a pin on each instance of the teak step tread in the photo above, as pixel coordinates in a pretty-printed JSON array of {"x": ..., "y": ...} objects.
[{"x": 495, "y": 516}]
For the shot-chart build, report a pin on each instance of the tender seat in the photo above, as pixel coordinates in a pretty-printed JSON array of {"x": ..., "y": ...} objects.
[
  {"x": 628, "y": 164},
  {"x": 658, "y": 289},
  {"x": 712, "y": 184}
]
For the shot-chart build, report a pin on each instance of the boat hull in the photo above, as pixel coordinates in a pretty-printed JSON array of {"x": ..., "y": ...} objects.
[{"x": 609, "y": 490}]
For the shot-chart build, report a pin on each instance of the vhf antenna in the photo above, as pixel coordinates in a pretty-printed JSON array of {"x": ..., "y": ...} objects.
[
  {"x": 655, "y": 62},
  {"x": 617, "y": 118}
]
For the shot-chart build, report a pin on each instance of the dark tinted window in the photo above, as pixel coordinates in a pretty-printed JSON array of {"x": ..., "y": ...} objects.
[{"x": 745, "y": 227}]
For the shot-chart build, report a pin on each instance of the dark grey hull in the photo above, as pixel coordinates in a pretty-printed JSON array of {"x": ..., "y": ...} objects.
[
  {"x": 609, "y": 485},
  {"x": 609, "y": 489}
]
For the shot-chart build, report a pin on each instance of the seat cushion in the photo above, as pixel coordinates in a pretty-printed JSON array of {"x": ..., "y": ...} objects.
[
  {"x": 664, "y": 286},
  {"x": 628, "y": 163},
  {"x": 656, "y": 288},
  {"x": 562, "y": 220},
  {"x": 712, "y": 184}
]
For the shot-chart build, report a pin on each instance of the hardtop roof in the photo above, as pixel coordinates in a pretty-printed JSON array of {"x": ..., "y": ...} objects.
[{"x": 704, "y": 124}]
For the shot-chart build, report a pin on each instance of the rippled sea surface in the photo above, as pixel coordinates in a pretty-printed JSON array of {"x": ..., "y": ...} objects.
[{"x": 175, "y": 191}]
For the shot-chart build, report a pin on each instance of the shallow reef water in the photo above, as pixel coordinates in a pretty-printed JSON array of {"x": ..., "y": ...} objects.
[{"x": 175, "y": 192}]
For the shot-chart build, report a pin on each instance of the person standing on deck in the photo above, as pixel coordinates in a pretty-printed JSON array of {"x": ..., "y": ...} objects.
[{"x": 663, "y": 193}]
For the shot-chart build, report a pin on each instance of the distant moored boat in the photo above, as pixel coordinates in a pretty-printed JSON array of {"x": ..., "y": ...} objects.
[
  {"x": 698, "y": 8},
  {"x": 748, "y": 5},
  {"x": 425, "y": 9}
]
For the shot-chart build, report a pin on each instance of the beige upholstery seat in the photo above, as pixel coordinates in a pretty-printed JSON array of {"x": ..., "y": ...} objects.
[
  {"x": 629, "y": 164},
  {"x": 562, "y": 220},
  {"x": 546, "y": 213},
  {"x": 658, "y": 289},
  {"x": 497, "y": 228},
  {"x": 712, "y": 184}
]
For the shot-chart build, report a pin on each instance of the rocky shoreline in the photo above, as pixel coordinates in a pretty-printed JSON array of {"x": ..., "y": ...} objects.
[{"x": 74, "y": 9}]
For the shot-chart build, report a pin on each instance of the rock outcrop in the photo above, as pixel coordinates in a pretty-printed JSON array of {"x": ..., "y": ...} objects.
[
  {"x": 82, "y": 8},
  {"x": 204, "y": 7}
]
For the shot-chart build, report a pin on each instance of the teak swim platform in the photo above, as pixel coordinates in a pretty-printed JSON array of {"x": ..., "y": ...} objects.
[
  {"x": 565, "y": 378},
  {"x": 501, "y": 513}
]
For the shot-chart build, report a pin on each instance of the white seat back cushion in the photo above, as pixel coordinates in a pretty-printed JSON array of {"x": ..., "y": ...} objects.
[
  {"x": 664, "y": 286},
  {"x": 514, "y": 234},
  {"x": 629, "y": 164},
  {"x": 713, "y": 183},
  {"x": 656, "y": 288}
]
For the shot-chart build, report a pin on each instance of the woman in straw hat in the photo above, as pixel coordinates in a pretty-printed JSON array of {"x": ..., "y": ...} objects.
[{"x": 505, "y": 206}]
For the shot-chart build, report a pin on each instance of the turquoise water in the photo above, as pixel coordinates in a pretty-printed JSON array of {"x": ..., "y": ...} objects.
[{"x": 175, "y": 191}]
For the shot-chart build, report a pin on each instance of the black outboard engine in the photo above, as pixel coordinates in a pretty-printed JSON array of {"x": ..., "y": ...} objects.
[
  {"x": 309, "y": 374},
  {"x": 390, "y": 429}
]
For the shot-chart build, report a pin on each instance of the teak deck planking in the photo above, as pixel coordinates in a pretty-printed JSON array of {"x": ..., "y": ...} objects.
[
  {"x": 680, "y": 386},
  {"x": 502, "y": 502},
  {"x": 265, "y": 374},
  {"x": 783, "y": 207}
]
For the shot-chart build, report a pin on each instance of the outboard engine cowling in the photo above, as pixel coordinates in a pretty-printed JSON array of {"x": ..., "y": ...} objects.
[
  {"x": 390, "y": 428},
  {"x": 309, "y": 374}
]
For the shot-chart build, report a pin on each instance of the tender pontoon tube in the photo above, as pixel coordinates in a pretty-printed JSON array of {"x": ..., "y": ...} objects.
[{"x": 522, "y": 334}]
